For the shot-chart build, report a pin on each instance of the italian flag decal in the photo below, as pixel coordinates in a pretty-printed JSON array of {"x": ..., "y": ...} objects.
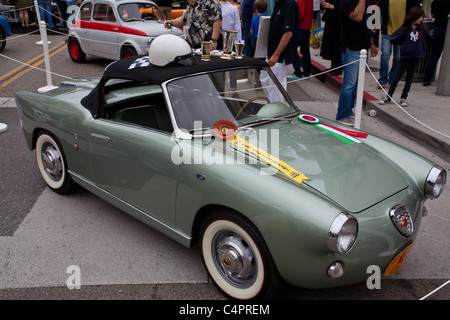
[{"x": 348, "y": 136}]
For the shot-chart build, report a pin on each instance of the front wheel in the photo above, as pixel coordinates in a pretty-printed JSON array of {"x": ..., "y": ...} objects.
[
  {"x": 52, "y": 164},
  {"x": 237, "y": 258}
]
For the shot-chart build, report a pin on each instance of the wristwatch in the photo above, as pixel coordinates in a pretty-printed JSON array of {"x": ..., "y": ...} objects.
[{"x": 214, "y": 39}]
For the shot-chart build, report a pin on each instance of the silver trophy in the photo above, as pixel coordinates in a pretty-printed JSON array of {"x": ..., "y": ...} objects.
[
  {"x": 228, "y": 42},
  {"x": 239, "y": 49},
  {"x": 206, "y": 50}
]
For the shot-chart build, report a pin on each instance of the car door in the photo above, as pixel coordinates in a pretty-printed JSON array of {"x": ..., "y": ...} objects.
[
  {"x": 133, "y": 163},
  {"x": 104, "y": 31}
]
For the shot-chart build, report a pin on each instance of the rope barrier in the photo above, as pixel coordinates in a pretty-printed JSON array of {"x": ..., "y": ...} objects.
[
  {"x": 403, "y": 109},
  {"x": 288, "y": 82}
]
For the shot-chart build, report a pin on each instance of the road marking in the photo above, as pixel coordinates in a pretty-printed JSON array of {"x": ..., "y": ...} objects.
[{"x": 56, "y": 49}]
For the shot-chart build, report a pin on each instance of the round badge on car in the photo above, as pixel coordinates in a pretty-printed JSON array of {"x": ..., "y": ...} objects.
[{"x": 402, "y": 219}]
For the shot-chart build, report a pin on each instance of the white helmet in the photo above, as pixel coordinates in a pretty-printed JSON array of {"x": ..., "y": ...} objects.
[{"x": 168, "y": 48}]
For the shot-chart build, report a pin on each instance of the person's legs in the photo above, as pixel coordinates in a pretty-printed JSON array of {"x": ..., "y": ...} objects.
[
  {"x": 395, "y": 60},
  {"x": 304, "y": 50},
  {"x": 437, "y": 46},
  {"x": 411, "y": 68},
  {"x": 248, "y": 44},
  {"x": 349, "y": 85},
  {"x": 297, "y": 66},
  {"x": 386, "y": 50},
  {"x": 401, "y": 68}
]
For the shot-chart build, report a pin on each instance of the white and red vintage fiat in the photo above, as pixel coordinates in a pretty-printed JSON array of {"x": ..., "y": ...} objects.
[{"x": 114, "y": 29}]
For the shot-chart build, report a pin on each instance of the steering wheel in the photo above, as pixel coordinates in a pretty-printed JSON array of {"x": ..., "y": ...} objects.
[{"x": 248, "y": 102}]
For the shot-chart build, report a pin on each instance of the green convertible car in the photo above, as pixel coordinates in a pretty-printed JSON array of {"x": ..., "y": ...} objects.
[{"x": 214, "y": 152}]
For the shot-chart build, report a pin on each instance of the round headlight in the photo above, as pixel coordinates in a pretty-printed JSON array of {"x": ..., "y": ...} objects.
[
  {"x": 435, "y": 183},
  {"x": 342, "y": 234}
]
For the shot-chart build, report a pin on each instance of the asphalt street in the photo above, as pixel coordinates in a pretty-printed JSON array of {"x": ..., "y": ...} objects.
[{"x": 43, "y": 234}]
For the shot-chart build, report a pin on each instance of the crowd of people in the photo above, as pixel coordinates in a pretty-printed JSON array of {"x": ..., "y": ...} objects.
[{"x": 404, "y": 37}]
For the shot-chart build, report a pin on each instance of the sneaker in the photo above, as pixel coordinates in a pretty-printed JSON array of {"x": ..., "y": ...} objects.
[
  {"x": 293, "y": 76},
  {"x": 384, "y": 101},
  {"x": 403, "y": 102},
  {"x": 347, "y": 122},
  {"x": 381, "y": 85}
]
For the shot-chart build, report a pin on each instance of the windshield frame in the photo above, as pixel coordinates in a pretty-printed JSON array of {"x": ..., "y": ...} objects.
[{"x": 181, "y": 133}]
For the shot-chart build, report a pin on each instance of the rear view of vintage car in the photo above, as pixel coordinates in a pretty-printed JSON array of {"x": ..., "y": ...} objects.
[{"x": 214, "y": 152}]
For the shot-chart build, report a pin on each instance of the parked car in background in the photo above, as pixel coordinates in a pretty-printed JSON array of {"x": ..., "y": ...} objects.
[
  {"x": 196, "y": 149},
  {"x": 5, "y": 31},
  {"x": 115, "y": 29}
]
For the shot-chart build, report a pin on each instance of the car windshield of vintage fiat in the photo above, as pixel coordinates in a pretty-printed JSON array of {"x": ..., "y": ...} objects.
[
  {"x": 139, "y": 11},
  {"x": 243, "y": 96}
]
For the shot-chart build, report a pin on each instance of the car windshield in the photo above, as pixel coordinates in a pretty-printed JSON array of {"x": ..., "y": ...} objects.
[
  {"x": 244, "y": 96},
  {"x": 139, "y": 11}
]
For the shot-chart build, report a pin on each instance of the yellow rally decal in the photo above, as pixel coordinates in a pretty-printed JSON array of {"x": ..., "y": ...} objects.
[{"x": 268, "y": 158}]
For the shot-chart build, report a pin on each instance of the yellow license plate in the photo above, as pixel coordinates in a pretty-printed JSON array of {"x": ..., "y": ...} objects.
[{"x": 398, "y": 262}]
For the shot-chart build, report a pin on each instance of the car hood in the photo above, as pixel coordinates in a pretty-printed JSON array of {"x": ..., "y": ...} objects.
[
  {"x": 350, "y": 174},
  {"x": 152, "y": 28}
]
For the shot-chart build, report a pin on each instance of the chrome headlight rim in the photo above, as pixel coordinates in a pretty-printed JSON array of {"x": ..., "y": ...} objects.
[
  {"x": 435, "y": 183},
  {"x": 343, "y": 233}
]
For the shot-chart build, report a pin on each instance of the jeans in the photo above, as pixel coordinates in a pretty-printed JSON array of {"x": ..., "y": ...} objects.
[
  {"x": 349, "y": 85},
  {"x": 437, "y": 45},
  {"x": 46, "y": 15},
  {"x": 303, "y": 43},
  {"x": 248, "y": 43},
  {"x": 386, "y": 51},
  {"x": 410, "y": 66}
]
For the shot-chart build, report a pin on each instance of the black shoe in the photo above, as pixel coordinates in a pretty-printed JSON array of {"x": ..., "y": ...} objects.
[{"x": 426, "y": 83}]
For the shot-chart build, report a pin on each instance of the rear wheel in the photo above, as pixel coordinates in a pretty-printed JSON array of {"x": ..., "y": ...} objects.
[
  {"x": 52, "y": 164},
  {"x": 236, "y": 257},
  {"x": 75, "y": 51},
  {"x": 128, "y": 52}
]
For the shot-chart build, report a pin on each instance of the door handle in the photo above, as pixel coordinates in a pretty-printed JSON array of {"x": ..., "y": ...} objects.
[{"x": 100, "y": 137}]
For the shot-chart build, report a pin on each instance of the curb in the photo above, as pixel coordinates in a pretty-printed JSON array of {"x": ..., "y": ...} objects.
[{"x": 424, "y": 136}]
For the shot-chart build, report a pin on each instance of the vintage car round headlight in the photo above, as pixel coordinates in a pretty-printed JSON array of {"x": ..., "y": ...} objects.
[
  {"x": 342, "y": 234},
  {"x": 435, "y": 182}
]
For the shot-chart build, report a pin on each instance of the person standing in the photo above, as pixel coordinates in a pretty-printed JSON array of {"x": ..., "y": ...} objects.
[
  {"x": 247, "y": 13},
  {"x": 282, "y": 44},
  {"x": 231, "y": 19},
  {"x": 330, "y": 49},
  {"x": 45, "y": 12},
  {"x": 393, "y": 13},
  {"x": 439, "y": 11},
  {"x": 260, "y": 10},
  {"x": 202, "y": 21},
  {"x": 166, "y": 8},
  {"x": 22, "y": 6},
  {"x": 305, "y": 9},
  {"x": 355, "y": 36},
  {"x": 412, "y": 38}
]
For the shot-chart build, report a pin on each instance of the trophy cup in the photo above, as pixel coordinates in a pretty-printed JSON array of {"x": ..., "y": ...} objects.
[
  {"x": 239, "y": 49},
  {"x": 228, "y": 42},
  {"x": 206, "y": 50}
]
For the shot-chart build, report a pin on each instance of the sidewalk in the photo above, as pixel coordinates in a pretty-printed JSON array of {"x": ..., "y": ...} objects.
[{"x": 427, "y": 117}]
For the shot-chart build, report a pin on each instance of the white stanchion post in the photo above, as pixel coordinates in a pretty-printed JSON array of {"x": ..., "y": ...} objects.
[
  {"x": 49, "y": 86},
  {"x": 360, "y": 88},
  {"x": 38, "y": 15}
]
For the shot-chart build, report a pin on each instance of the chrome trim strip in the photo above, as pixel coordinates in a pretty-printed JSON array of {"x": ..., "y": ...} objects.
[{"x": 131, "y": 206}]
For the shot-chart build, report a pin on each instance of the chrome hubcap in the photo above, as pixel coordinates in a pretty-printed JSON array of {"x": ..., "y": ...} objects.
[
  {"x": 51, "y": 161},
  {"x": 234, "y": 259}
]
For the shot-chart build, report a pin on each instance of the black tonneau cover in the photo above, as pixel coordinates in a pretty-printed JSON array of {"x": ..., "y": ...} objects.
[{"x": 138, "y": 68}]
